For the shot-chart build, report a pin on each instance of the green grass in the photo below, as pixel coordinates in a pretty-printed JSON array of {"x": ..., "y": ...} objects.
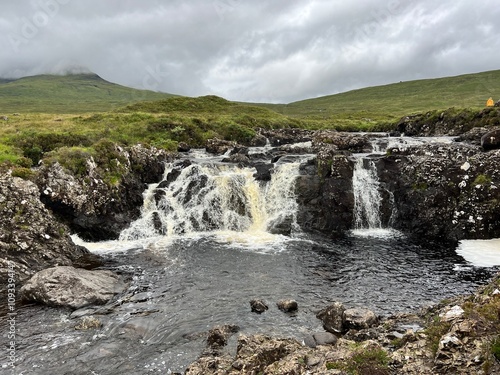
[
  {"x": 79, "y": 93},
  {"x": 390, "y": 102}
]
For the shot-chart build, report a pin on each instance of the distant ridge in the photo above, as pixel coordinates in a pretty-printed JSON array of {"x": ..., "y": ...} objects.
[
  {"x": 72, "y": 93},
  {"x": 399, "y": 99}
]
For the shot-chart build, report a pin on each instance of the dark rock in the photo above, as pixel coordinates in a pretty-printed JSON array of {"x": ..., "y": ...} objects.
[
  {"x": 240, "y": 159},
  {"x": 219, "y": 146},
  {"x": 491, "y": 140},
  {"x": 183, "y": 147},
  {"x": 263, "y": 171},
  {"x": 31, "y": 238},
  {"x": 258, "y": 306},
  {"x": 258, "y": 141},
  {"x": 218, "y": 336},
  {"x": 89, "y": 261},
  {"x": 358, "y": 318},
  {"x": 278, "y": 137},
  {"x": 93, "y": 208},
  {"x": 287, "y": 305},
  {"x": 72, "y": 287},
  {"x": 342, "y": 140},
  {"x": 333, "y": 317}
]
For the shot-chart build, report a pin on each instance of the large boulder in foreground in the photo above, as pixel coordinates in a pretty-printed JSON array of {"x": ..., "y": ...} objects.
[
  {"x": 72, "y": 287},
  {"x": 31, "y": 238}
]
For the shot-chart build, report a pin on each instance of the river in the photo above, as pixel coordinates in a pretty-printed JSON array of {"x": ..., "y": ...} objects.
[{"x": 198, "y": 255}]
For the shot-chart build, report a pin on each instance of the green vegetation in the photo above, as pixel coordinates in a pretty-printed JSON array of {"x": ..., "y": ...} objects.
[
  {"x": 390, "y": 102},
  {"x": 482, "y": 179},
  {"x": 79, "y": 93},
  {"x": 434, "y": 330},
  {"x": 364, "y": 361},
  {"x": 84, "y": 109}
]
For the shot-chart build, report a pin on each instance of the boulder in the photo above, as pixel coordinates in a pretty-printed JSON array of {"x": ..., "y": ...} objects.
[
  {"x": 31, "y": 238},
  {"x": 72, "y": 287},
  {"x": 491, "y": 140},
  {"x": 287, "y": 305},
  {"x": 183, "y": 147},
  {"x": 258, "y": 306},
  {"x": 278, "y": 137},
  {"x": 263, "y": 171},
  {"x": 333, "y": 317},
  {"x": 219, "y": 146},
  {"x": 358, "y": 318}
]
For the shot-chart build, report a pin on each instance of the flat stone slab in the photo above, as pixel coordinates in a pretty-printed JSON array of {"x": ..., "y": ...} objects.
[{"x": 72, "y": 287}]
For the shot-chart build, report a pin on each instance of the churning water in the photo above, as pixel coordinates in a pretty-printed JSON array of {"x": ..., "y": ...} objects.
[{"x": 208, "y": 242}]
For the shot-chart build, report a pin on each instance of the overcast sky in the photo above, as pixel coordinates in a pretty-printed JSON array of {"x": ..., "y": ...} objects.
[{"x": 250, "y": 50}]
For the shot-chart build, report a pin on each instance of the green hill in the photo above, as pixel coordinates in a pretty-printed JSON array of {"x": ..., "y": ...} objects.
[
  {"x": 399, "y": 99},
  {"x": 79, "y": 93}
]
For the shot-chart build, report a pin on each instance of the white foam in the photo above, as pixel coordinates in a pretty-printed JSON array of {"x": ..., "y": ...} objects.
[
  {"x": 480, "y": 253},
  {"x": 376, "y": 233}
]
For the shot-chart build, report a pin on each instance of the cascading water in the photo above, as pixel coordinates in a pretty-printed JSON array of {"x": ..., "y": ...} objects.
[
  {"x": 367, "y": 198},
  {"x": 218, "y": 197}
]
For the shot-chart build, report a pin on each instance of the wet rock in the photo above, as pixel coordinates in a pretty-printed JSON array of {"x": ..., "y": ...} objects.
[
  {"x": 91, "y": 205},
  {"x": 219, "y": 146},
  {"x": 31, "y": 238},
  {"x": 333, "y": 317},
  {"x": 264, "y": 171},
  {"x": 359, "y": 318},
  {"x": 88, "y": 261},
  {"x": 287, "y": 305},
  {"x": 218, "y": 336},
  {"x": 183, "y": 147},
  {"x": 491, "y": 140},
  {"x": 278, "y": 137},
  {"x": 258, "y": 141},
  {"x": 258, "y": 306},
  {"x": 72, "y": 287},
  {"x": 342, "y": 140}
]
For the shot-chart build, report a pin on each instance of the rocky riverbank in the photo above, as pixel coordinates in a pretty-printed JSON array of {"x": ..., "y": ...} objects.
[{"x": 456, "y": 337}]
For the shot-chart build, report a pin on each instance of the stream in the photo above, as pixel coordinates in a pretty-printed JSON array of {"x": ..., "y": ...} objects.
[{"x": 210, "y": 241}]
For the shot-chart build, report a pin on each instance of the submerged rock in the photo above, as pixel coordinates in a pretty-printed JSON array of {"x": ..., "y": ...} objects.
[
  {"x": 72, "y": 287},
  {"x": 258, "y": 306},
  {"x": 287, "y": 305}
]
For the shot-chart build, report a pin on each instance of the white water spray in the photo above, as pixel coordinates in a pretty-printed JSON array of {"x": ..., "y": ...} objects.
[
  {"x": 367, "y": 198},
  {"x": 218, "y": 197}
]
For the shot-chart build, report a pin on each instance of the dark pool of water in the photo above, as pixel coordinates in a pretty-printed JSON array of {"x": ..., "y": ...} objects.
[{"x": 181, "y": 290}]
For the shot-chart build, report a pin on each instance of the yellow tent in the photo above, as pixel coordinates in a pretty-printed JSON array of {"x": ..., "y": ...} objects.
[{"x": 490, "y": 102}]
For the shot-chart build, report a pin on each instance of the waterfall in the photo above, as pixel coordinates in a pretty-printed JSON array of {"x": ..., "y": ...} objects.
[
  {"x": 367, "y": 198},
  {"x": 218, "y": 197}
]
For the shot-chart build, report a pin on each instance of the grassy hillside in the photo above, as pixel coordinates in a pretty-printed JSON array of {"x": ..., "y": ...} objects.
[
  {"x": 396, "y": 100},
  {"x": 27, "y": 138},
  {"x": 79, "y": 93}
]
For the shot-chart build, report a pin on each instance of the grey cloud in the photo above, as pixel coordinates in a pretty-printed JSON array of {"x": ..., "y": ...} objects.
[{"x": 277, "y": 51}]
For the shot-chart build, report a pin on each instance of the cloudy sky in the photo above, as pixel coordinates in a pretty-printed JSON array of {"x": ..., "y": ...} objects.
[{"x": 250, "y": 50}]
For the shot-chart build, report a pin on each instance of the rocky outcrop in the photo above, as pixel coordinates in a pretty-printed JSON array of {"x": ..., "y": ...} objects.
[
  {"x": 450, "y": 122},
  {"x": 31, "y": 238},
  {"x": 279, "y": 137},
  {"x": 433, "y": 192},
  {"x": 324, "y": 193},
  {"x": 219, "y": 146},
  {"x": 444, "y": 193},
  {"x": 95, "y": 205},
  {"x": 72, "y": 287},
  {"x": 352, "y": 142}
]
